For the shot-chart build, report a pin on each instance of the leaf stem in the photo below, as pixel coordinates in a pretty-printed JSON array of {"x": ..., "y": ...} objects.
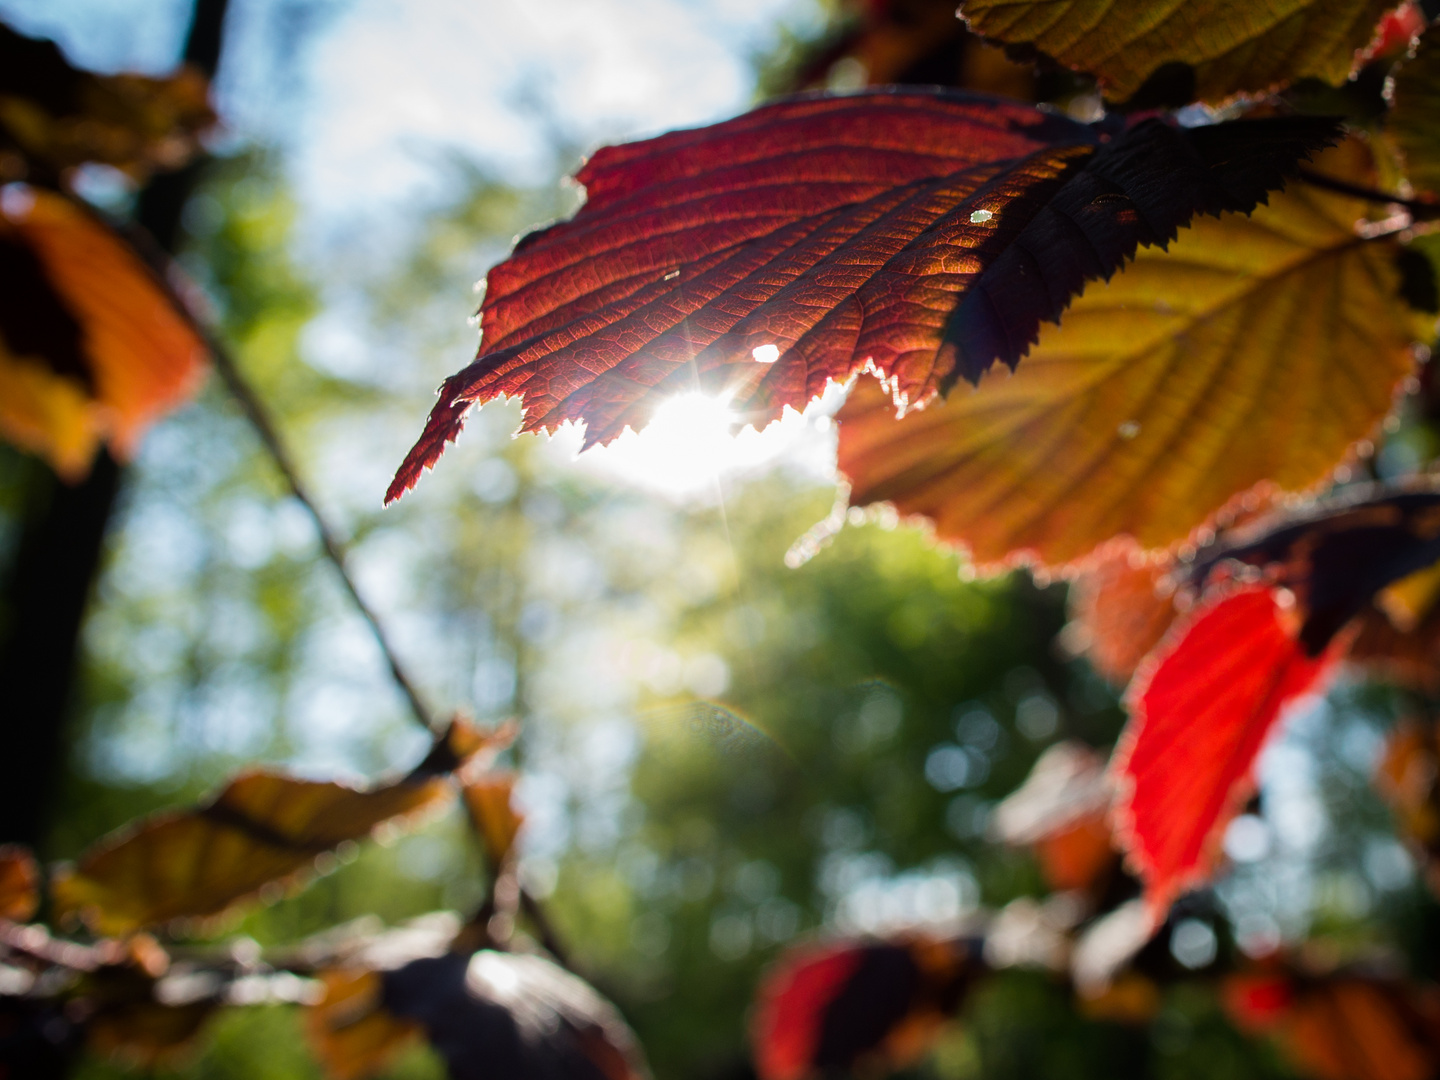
[{"x": 1420, "y": 209}]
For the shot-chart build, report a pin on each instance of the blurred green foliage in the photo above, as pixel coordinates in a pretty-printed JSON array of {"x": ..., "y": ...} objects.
[{"x": 722, "y": 754}]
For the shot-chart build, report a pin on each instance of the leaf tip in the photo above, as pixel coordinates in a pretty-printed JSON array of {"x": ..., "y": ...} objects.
[{"x": 442, "y": 427}]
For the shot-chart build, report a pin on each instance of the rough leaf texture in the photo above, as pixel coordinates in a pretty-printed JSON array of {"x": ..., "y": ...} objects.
[
  {"x": 1198, "y": 719},
  {"x": 1234, "y": 46},
  {"x": 1256, "y": 349},
  {"x": 762, "y": 257}
]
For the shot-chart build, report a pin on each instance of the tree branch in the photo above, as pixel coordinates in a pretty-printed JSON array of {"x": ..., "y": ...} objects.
[
  {"x": 1420, "y": 209},
  {"x": 259, "y": 418}
]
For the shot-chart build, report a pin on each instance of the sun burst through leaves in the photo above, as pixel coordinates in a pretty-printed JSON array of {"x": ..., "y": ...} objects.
[{"x": 694, "y": 440}]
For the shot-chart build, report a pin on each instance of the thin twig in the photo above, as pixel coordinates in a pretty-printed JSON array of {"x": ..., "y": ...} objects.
[
  {"x": 1420, "y": 209},
  {"x": 544, "y": 930},
  {"x": 169, "y": 279},
  {"x": 259, "y": 417}
]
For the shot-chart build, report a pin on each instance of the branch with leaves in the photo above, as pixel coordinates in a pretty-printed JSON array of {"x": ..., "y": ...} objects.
[{"x": 1147, "y": 353}]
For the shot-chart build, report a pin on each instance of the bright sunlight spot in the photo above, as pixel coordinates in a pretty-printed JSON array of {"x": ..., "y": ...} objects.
[
  {"x": 692, "y": 443},
  {"x": 765, "y": 354}
]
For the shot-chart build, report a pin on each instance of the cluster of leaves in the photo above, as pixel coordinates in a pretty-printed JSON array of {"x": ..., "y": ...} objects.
[
  {"x": 1203, "y": 325},
  {"x": 474, "y": 987},
  {"x": 1241, "y": 315},
  {"x": 92, "y": 346},
  {"x": 921, "y": 237}
]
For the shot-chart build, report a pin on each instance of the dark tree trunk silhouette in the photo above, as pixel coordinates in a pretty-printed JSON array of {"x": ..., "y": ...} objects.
[{"x": 53, "y": 572}]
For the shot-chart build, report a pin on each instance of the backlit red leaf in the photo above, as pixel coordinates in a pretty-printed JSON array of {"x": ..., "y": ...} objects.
[
  {"x": 1199, "y": 715},
  {"x": 924, "y": 234},
  {"x": 829, "y": 1009}
]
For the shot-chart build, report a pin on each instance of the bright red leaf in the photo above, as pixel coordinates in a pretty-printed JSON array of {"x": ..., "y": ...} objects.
[
  {"x": 925, "y": 234},
  {"x": 1199, "y": 714},
  {"x": 792, "y": 1002},
  {"x": 851, "y": 1006}
]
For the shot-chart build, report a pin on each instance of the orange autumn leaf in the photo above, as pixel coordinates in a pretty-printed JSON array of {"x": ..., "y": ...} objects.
[
  {"x": 1187, "y": 379},
  {"x": 19, "y": 884},
  {"x": 91, "y": 347},
  {"x": 1075, "y": 857},
  {"x": 489, "y": 802},
  {"x": 349, "y": 1029},
  {"x": 1360, "y": 1029},
  {"x": 1120, "y": 608},
  {"x": 260, "y": 835},
  {"x": 1060, "y": 813},
  {"x": 1342, "y": 1026}
]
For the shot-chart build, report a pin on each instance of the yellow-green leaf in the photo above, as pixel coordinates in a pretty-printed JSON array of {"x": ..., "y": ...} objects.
[
  {"x": 1234, "y": 46},
  {"x": 255, "y": 838},
  {"x": 1258, "y": 349}
]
